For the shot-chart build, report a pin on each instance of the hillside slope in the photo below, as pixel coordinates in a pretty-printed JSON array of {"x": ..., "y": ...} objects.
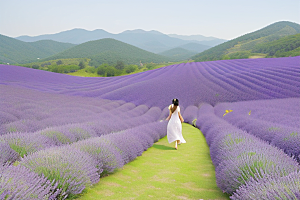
[
  {"x": 241, "y": 47},
  {"x": 178, "y": 54},
  {"x": 14, "y": 51},
  {"x": 286, "y": 46},
  {"x": 109, "y": 51}
]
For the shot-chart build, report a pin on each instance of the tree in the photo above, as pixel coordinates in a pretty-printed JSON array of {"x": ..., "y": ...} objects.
[
  {"x": 81, "y": 65},
  {"x": 101, "y": 70},
  {"x": 130, "y": 68},
  {"x": 120, "y": 65},
  {"x": 110, "y": 71},
  {"x": 150, "y": 66},
  {"x": 44, "y": 64},
  {"x": 59, "y": 62},
  {"x": 35, "y": 66},
  {"x": 90, "y": 69}
]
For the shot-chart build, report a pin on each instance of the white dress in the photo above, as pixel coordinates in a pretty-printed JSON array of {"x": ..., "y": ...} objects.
[{"x": 174, "y": 128}]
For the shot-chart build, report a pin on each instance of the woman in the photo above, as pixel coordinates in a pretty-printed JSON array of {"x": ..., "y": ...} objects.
[{"x": 174, "y": 129}]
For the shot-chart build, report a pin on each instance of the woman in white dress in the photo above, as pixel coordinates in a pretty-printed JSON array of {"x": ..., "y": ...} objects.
[{"x": 174, "y": 129}]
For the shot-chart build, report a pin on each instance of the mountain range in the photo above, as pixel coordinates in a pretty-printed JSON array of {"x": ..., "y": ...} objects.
[
  {"x": 275, "y": 40},
  {"x": 109, "y": 51},
  {"x": 153, "y": 41},
  {"x": 15, "y": 51}
]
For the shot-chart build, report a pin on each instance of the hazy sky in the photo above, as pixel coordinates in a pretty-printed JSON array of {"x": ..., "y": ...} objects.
[{"x": 226, "y": 19}]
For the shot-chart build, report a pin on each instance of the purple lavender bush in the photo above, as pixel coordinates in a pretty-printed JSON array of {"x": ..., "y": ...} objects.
[
  {"x": 103, "y": 151},
  {"x": 288, "y": 139},
  {"x": 72, "y": 169},
  {"x": 286, "y": 187},
  {"x": 18, "y": 182},
  {"x": 8, "y": 155},
  {"x": 240, "y": 157},
  {"x": 24, "y": 143},
  {"x": 190, "y": 115},
  {"x": 253, "y": 163},
  {"x": 68, "y": 134},
  {"x": 274, "y": 121}
]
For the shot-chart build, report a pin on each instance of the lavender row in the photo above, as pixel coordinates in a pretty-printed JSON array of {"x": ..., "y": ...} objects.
[
  {"x": 239, "y": 157},
  {"x": 275, "y": 121},
  {"x": 190, "y": 115},
  {"x": 18, "y": 182},
  {"x": 26, "y": 143},
  {"x": 193, "y": 83},
  {"x": 287, "y": 187},
  {"x": 24, "y": 110},
  {"x": 72, "y": 168}
]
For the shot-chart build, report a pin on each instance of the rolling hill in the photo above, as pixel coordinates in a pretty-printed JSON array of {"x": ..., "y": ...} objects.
[
  {"x": 178, "y": 54},
  {"x": 109, "y": 51},
  {"x": 195, "y": 47},
  {"x": 14, "y": 51},
  {"x": 185, "y": 51},
  {"x": 152, "y": 41},
  {"x": 286, "y": 46},
  {"x": 242, "y": 47}
]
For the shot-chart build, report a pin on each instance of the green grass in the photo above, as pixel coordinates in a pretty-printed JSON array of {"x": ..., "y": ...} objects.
[
  {"x": 164, "y": 173},
  {"x": 83, "y": 73}
]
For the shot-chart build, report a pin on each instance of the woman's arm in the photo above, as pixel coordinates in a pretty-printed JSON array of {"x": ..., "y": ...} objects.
[
  {"x": 168, "y": 118},
  {"x": 180, "y": 117}
]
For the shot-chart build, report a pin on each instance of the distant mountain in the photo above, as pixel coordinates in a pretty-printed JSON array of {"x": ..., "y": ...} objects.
[
  {"x": 110, "y": 51},
  {"x": 194, "y": 47},
  {"x": 152, "y": 41},
  {"x": 192, "y": 37},
  {"x": 15, "y": 51},
  {"x": 74, "y": 36},
  {"x": 244, "y": 46},
  {"x": 209, "y": 41}
]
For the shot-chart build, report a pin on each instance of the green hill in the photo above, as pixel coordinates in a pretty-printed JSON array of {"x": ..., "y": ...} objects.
[
  {"x": 178, "y": 54},
  {"x": 110, "y": 51},
  {"x": 247, "y": 45},
  {"x": 14, "y": 51},
  {"x": 286, "y": 46}
]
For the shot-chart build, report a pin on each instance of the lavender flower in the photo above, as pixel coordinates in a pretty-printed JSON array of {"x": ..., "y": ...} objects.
[
  {"x": 240, "y": 157},
  {"x": 18, "y": 182},
  {"x": 24, "y": 143},
  {"x": 8, "y": 155},
  {"x": 274, "y": 121},
  {"x": 74, "y": 170},
  {"x": 103, "y": 151},
  {"x": 286, "y": 187},
  {"x": 190, "y": 115}
]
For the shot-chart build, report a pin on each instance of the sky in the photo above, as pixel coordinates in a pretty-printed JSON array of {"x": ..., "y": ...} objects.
[{"x": 224, "y": 19}]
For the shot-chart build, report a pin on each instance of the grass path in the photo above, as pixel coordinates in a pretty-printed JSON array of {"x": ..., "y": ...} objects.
[{"x": 164, "y": 173}]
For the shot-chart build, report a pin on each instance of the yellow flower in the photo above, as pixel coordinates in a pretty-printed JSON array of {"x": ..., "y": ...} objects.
[{"x": 226, "y": 112}]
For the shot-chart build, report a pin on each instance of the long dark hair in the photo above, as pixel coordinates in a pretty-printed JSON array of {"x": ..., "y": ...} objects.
[{"x": 176, "y": 103}]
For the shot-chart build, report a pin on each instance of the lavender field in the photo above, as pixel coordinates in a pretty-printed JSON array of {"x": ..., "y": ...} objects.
[{"x": 60, "y": 134}]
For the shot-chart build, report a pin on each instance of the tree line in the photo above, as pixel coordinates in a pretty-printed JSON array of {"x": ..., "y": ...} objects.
[{"x": 105, "y": 70}]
